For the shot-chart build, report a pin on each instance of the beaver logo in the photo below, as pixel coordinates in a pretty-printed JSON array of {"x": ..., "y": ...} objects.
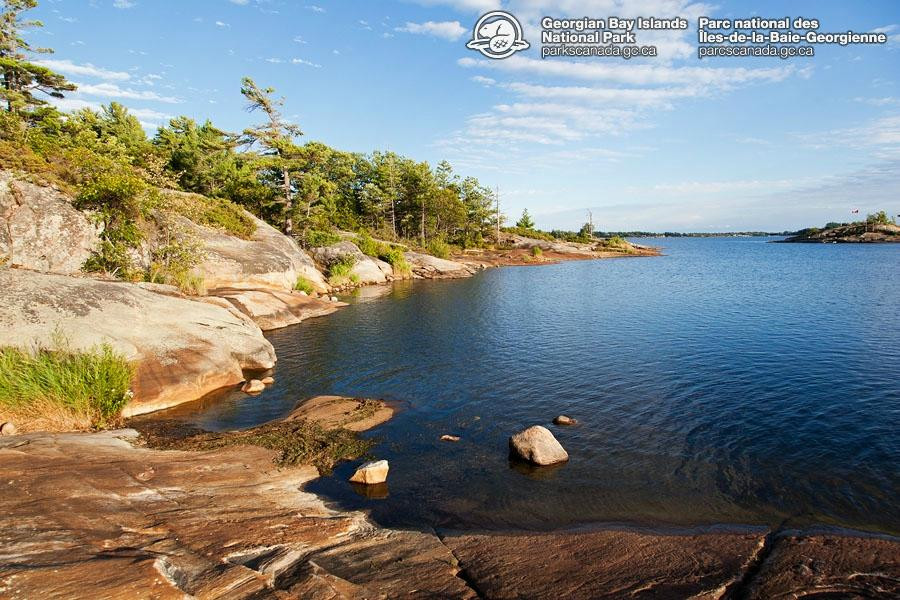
[{"x": 497, "y": 34}]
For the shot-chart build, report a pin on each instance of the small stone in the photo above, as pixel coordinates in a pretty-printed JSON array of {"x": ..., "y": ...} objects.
[
  {"x": 537, "y": 445},
  {"x": 371, "y": 473},
  {"x": 8, "y": 428},
  {"x": 268, "y": 380},
  {"x": 449, "y": 438},
  {"x": 564, "y": 420},
  {"x": 254, "y": 386},
  {"x": 303, "y": 293},
  {"x": 334, "y": 298}
]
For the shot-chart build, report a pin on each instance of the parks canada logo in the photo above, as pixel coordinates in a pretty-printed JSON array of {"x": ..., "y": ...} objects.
[{"x": 497, "y": 34}]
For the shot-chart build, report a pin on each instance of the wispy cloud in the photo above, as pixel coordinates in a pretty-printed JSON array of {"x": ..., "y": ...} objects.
[
  {"x": 111, "y": 90},
  {"x": 448, "y": 30},
  {"x": 85, "y": 70},
  {"x": 124, "y": 4},
  {"x": 300, "y": 61},
  {"x": 315, "y": 8}
]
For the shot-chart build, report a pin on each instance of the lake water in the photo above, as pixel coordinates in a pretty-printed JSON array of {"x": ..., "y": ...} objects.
[{"x": 730, "y": 381}]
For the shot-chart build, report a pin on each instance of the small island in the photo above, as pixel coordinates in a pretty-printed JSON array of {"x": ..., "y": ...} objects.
[{"x": 877, "y": 228}]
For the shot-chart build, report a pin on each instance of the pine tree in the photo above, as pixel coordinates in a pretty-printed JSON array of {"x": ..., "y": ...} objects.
[
  {"x": 526, "y": 222},
  {"x": 20, "y": 77},
  {"x": 276, "y": 137}
]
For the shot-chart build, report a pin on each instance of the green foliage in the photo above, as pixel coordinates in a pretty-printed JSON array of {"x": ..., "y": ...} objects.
[
  {"x": 339, "y": 271},
  {"x": 525, "y": 222},
  {"x": 318, "y": 238},
  {"x": 879, "y": 218},
  {"x": 397, "y": 260},
  {"x": 91, "y": 384},
  {"x": 175, "y": 256},
  {"x": 218, "y": 213},
  {"x": 536, "y": 251},
  {"x": 304, "y": 285},
  {"x": 439, "y": 248},
  {"x": 368, "y": 246},
  {"x": 530, "y": 233}
]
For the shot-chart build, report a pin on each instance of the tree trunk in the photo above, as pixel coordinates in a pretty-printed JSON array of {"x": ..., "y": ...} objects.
[{"x": 288, "y": 205}]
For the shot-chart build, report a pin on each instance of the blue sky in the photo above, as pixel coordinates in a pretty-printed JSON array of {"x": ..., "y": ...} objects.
[{"x": 666, "y": 143}]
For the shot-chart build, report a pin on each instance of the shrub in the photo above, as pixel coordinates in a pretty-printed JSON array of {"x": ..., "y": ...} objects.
[
  {"x": 316, "y": 238},
  {"x": 217, "y": 213},
  {"x": 63, "y": 389},
  {"x": 304, "y": 285},
  {"x": 368, "y": 246},
  {"x": 536, "y": 251},
  {"x": 339, "y": 271},
  {"x": 174, "y": 258},
  {"x": 397, "y": 260},
  {"x": 439, "y": 248}
]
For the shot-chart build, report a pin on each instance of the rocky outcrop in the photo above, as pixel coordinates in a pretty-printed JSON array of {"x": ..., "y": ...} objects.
[
  {"x": 369, "y": 270},
  {"x": 268, "y": 259},
  {"x": 537, "y": 445},
  {"x": 511, "y": 240},
  {"x": 40, "y": 230},
  {"x": 855, "y": 233},
  {"x": 91, "y": 516},
  {"x": 425, "y": 266},
  {"x": 183, "y": 348},
  {"x": 273, "y": 309},
  {"x": 355, "y": 414}
]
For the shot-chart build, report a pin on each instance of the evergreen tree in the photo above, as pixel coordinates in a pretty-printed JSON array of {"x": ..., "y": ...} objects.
[
  {"x": 20, "y": 77},
  {"x": 526, "y": 222}
]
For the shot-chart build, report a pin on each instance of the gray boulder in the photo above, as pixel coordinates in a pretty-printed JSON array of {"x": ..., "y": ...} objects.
[
  {"x": 40, "y": 230},
  {"x": 537, "y": 445},
  {"x": 431, "y": 267}
]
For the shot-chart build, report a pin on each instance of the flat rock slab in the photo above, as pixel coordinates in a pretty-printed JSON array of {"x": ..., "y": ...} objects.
[
  {"x": 604, "y": 564},
  {"x": 274, "y": 309},
  {"x": 92, "y": 516},
  {"x": 829, "y": 566},
  {"x": 355, "y": 414}
]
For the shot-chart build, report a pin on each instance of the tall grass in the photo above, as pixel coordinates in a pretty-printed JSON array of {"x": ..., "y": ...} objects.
[
  {"x": 63, "y": 389},
  {"x": 304, "y": 285}
]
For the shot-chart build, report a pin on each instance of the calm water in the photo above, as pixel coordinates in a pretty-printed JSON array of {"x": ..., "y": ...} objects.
[{"x": 731, "y": 381}]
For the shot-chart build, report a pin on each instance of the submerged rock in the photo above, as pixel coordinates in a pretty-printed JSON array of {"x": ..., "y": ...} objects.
[
  {"x": 537, "y": 445},
  {"x": 268, "y": 380},
  {"x": 254, "y": 386},
  {"x": 371, "y": 473},
  {"x": 564, "y": 420},
  {"x": 449, "y": 438}
]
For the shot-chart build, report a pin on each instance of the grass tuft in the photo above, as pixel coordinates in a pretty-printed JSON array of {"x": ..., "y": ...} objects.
[{"x": 74, "y": 390}]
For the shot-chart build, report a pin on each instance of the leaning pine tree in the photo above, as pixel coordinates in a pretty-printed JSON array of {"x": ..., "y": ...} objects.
[
  {"x": 22, "y": 79},
  {"x": 276, "y": 137}
]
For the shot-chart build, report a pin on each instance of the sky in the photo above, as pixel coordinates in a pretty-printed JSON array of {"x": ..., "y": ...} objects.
[{"x": 670, "y": 143}]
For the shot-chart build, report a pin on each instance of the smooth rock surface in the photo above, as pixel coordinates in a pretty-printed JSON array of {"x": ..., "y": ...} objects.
[
  {"x": 254, "y": 386},
  {"x": 426, "y": 266},
  {"x": 268, "y": 380},
  {"x": 341, "y": 411},
  {"x": 183, "y": 348},
  {"x": 269, "y": 259},
  {"x": 8, "y": 428},
  {"x": 537, "y": 445},
  {"x": 565, "y": 420},
  {"x": 274, "y": 309},
  {"x": 91, "y": 516},
  {"x": 369, "y": 270},
  {"x": 40, "y": 230},
  {"x": 371, "y": 473}
]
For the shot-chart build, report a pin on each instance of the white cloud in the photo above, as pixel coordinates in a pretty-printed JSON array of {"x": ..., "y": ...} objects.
[
  {"x": 274, "y": 60},
  {"x": 240, "y": 2},
  {"x": 111, "y": 90},
  {"x": 883, "y": 101},
  {"x": 464, "y": 5},
  {"x": 222, "y": 24},
  {"x": 86, "y": 69},
  {"x": 300, "y": 61},
  {"x": 448, "y": 30},
  {"x": 484, "y": 80},
  {"x": 124, "y": 4},
  {"x": 633, "y": 74},
  {"x": 315, "y": 8}
]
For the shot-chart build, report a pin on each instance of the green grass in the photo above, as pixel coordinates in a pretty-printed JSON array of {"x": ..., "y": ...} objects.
[
  {"x": 304, "y": 285},
  {"x": 70, "y": 389},
  {"x": 315, "y": 238},
  {"x": 536, "y": 251},
  {"x": 217, "y": 213},
  {"x": 397, "y": 260}
]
